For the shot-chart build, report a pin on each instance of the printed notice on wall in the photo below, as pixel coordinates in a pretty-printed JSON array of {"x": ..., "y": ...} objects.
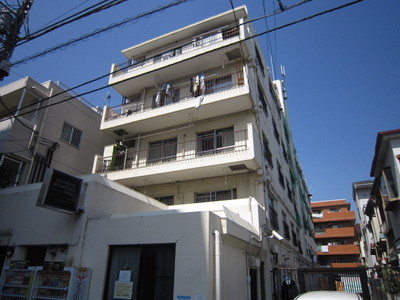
[
  {"x": 124, "y": 276},
  {"x": 123, "y": 290}
]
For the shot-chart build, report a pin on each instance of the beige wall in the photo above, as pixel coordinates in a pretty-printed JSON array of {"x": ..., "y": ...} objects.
[{"x": 116, "y": 215}]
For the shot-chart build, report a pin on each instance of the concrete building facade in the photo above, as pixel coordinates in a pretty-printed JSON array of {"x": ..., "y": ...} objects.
[
  {"x": 203, "y": 121},
  {"x": 382, "y": 207},
  {"x": 361, "y": 195},
  {"x": 202, "y": 196},
  {"x": 335, "y": 234},
  {"x": 42, "y": 126}
]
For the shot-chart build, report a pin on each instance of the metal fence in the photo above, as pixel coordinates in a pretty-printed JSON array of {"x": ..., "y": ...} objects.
[{"x": 378, "y": 283}]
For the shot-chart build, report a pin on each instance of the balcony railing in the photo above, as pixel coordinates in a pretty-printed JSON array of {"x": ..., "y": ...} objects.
[
  {"x": 225, "y": 143},
  {"x": 320, "y": 231},
  {"x": 200, "y": 42},
  {"x": 170, "y": 95},
  {"x": 344, "y": 249}
]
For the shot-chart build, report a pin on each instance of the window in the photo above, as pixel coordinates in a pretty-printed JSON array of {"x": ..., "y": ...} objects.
[
  {"x": 294, "y": 236},
  {"x": 218, "y": 84},
  {"x": 259, "y": 62},
  {"x": 286, "y": 229},
  {"x": 162, "y": 151},
  {"x": 262, "y": 100},
  {"x": 168, "y": 200},
  {"x": 267, "y": 151},
  {"x": 215, "y": 196},
  {"x": 289, "y": 191},
  {"x": 388, "y": 186},
  {"x": 71, "y": 135},
  {"x": 151, "y": 267},
  {"x": 10, "y": 171},
  {"x": 284, "y": 152},
  {"x": 215, "y": 141},
  {"x": 333, "y": 210},
  {"x": 276, "y": 132},
  {"x": 281, "y": 178},
  {"x": 273, "y": 215}
]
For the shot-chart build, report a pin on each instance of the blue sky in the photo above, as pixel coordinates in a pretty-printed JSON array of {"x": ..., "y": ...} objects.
[{"x": 342, "y": 70}]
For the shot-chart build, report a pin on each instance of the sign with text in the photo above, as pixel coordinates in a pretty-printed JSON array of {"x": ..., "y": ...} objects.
[{"x": 60, "y": 191}]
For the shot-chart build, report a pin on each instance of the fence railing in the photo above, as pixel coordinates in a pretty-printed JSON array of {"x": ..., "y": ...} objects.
[
  {"x": 173, "y": 152},
  {"x": 170, "y": 95},
  {"x": 196, "y": 43}
]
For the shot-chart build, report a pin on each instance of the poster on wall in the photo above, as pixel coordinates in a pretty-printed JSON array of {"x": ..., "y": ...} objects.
[
  {"x": 60, "y": 191},
  {"x": 123, "y": 289}
]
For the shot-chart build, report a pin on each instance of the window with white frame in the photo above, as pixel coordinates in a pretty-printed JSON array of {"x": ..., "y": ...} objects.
[
  {"x": 162, "y": 151},
  {"x": 215, "y": 140},
  {"x": 71, "y": 135},
  {"x": 216, "y": 196}
]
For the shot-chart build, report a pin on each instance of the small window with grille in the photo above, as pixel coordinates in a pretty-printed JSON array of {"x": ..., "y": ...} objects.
[{"x": 71, "y": 135}]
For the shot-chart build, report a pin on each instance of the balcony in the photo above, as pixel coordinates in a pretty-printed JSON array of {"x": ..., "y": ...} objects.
[
  {"x": 334, "y": 233},
  {"x": 189, "y": 160},
  {"x": 349, "y": 249},
  {"x": 177, "y": 104},
  {"x": 182, "y": 58},
  {"x": 346, "y": 265},
  {"x": 336, "y": 216}
]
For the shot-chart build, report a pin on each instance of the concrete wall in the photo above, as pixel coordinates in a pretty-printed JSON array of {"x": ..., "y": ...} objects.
[{"x": 116, "y": 215}]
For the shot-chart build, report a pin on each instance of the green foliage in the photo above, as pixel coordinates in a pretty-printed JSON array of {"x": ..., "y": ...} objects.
[{"x": 391, "y": 280}]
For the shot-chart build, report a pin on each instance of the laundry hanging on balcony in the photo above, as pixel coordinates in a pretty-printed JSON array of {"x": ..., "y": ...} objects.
[
  {"x": 198, "y": 88},
  {"x": 164, "y": 96},
  {"x": 198, "y": 85}
]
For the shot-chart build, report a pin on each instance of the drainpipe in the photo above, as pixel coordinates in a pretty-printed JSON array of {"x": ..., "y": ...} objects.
[{"x": 217, "y": 261}]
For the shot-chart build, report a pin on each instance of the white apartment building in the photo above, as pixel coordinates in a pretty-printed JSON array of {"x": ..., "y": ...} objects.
[
  {"x": 203, "y": 121},
  {"x": 361, "y": 195},
  {"x": 382, "y": 207},
  {"x": 37, "y": 132},
  {"x": 202, "y": 196}
]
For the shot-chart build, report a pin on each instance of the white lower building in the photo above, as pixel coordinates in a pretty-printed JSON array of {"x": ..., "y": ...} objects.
[{"x": 194, "y": 251}]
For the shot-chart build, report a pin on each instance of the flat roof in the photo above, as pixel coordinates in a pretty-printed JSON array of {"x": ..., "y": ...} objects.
[{"x": 181, "y": 34}]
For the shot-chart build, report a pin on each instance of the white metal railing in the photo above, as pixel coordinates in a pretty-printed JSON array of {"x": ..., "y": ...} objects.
[
  {"x": 226, "y": 143},
  {"x": 196, "y": 43}
]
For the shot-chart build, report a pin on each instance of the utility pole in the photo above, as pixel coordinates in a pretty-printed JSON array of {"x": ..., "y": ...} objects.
[{"x": 11, "y": 21}]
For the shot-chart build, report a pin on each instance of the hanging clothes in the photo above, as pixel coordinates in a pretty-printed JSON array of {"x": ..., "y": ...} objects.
[
  {"x": 169, "y": 94},
  {"x": 196, "y": 84},
  {"x": 202, "y": 84},
  {"x": 157, "y": 100}
]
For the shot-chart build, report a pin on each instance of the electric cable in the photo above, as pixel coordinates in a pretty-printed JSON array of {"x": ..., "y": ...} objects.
[
  {"x": 121, "y": 69},
  {"x": 15, "y": 117},
  {"x": 66, "y": 21},
  {"x": 97, "y": 32},
  {"x": 50, "y": 24},
  {"x": 247, "y": 38}
]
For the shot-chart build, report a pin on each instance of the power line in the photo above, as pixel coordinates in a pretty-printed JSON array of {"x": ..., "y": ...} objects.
[
  {"x": 97, "y": 32},
  {"x": 55, "y": 19},
  {"x": 108, "y": 85},
  {"x": 121, "y": 69},
  {"x": 68, "y": 20}
]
